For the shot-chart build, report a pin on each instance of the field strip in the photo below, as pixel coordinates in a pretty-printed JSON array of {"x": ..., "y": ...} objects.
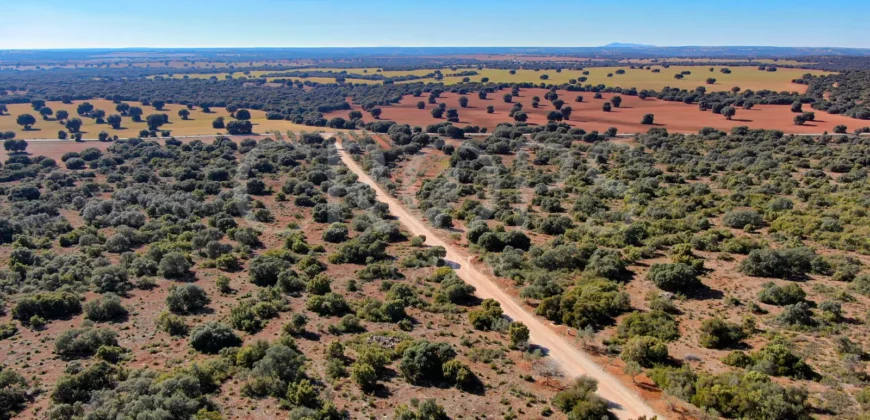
[{"x": 626, "y": 404}]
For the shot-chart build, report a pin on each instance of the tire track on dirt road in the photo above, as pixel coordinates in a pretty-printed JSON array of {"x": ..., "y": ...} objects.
[{"x": 625, "y": 404}]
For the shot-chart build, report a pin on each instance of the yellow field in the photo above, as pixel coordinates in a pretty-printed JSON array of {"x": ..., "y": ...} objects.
[
  {"x": 199, "y": 123},
  {"x": 744, "y": 77}
]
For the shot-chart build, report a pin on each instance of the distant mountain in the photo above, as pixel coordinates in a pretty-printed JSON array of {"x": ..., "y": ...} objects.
[{"x": 626, "y": 45}]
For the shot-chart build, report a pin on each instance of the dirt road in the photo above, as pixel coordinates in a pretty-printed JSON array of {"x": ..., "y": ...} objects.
[{"x": 625, "y": 403}]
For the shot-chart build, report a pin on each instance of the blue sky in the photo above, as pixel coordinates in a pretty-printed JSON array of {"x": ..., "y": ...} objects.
[{"x": 310, "y": 23}]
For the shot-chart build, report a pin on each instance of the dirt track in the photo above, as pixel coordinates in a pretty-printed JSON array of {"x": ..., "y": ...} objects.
[{"x": 625, "y": 403}]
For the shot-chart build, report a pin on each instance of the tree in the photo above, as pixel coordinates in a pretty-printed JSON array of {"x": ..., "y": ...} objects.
[
  {"x": 73, "y": 125},
  {"x": 84, "y": 109},
  {"x": 729, "y": 112},
  {"x": 616, "y": 101},
  {"x": 840, "y": 129},
  {"x": 648, "y": 119},
  {"x": 242, "y": 114},
  {"x": 365, "y": 376},
  {"x": 800, "y": 119},
  {"x": 490, "y": 109},
  {"x": 154, "y": 121},
  {"x": 158, "y": 104},
  {"x": 122, "y": 108},
  {"x": 452, "y": 115},
  {"x": 240, "y": 127},
  {"x": 796, "y": 107},
  {"x": 421, "y": 105},
  {"x": 186, "y": 299},
  {"x": 633, "y": 369},
  {"x": 553, "y": 116},
  {"x": 481, "y": 94},
  {"x": 521, "y": 117},
  {"x": 15, "y": 146},
  {"x": 61, "y": 115},
  {"x": 376, "y": 113},
  {"x": 183, "y": 113},
  {"x": 45, "y": 112},
  {"x": 218, "y": 123},
  {"x": 114, "y": 121},
  {"x": 579, "y": 98},
  {"x": 3, "y": 109},
  {"x": 646, "y": 351},
  {"x": 566, "y": 112},
  {"x": 61, "y": 135},
  {"x": 463, "y": 101},
  {"x": 135, "y": 113},
  {"x": 508, "y": 97},
  {"x": 437, "y": 112},
  {"x": 606, "y": 107},
  {"x": 711, "y": 81},
  {"x": 519, "y": 334},
  {"x": 26, "y": 121},
  {"x": 212, "y": 337}
]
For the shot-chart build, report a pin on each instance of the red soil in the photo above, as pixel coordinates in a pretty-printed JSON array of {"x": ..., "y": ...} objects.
[{"x": 675, "y": 116}]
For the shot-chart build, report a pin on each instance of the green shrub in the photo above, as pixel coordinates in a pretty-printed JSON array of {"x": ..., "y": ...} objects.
[
  {"x": 779, "y": 263},
  {"x": 106, "y": 308},
  {"x": 654, "y": 324},
  {"x": 336, "y": 233},
  {"x": 718, "y": 334},
  {"x": 425, "y": 360},
  {"x": 677, "y": 277},
  {"x": 645, "y": 351},
  {"x": 751, "y": 396},
  {"x": 328, "y": 304},
  {"x": 14, "y": 393},
  {"x": 212, "y": 337},
  {"x": 798, "y": 315},
  {"x": 739, "y": 219},
  {"x": 579, "y": 401},
  {"x": 111, "y": 279},
  {"x": 174, "y": 265},
  {"x": 789, "y": 294},
  {"x": 487, "y": 316},
  {"x": 263, "y": 270},
  {"x": 593, "y": 303},
  {"x": 272, "y": 374},
  {"x": 83, "y": 342},
  {"x": 186, "y": 299},
  {"x": 172, "y": 324},
  {"x": 364, "y": 375},
  {"x": 48, "y": 305}
]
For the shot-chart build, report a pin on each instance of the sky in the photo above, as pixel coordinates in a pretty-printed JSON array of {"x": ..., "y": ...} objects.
[{"x": 415, "y": 23}]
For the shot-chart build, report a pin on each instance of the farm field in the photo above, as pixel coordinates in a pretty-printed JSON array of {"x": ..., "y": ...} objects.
[
  {"x": 674, "y": 116},
  {"x": 199, "y": 123},
  {"x": 744, "y": 77}
]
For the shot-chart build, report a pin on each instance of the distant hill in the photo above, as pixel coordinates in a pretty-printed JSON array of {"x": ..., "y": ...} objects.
[{"x": 626, "y": 45}]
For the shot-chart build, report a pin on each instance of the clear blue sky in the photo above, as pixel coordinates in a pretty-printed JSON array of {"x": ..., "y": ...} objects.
[{"x": 310, "y": 23}]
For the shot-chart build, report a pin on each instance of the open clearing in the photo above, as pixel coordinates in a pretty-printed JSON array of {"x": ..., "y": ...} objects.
[
  {"x": 199, "y": 123},
  {"x": 675, "y": 116}
]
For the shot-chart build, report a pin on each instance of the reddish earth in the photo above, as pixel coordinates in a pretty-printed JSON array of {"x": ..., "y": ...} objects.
[{"x": 675, "y": 116}]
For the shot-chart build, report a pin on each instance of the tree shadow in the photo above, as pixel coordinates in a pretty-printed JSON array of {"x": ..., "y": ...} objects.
[
  {"x": 740, "y": 120},
  {"x": 704, "y": 292}
]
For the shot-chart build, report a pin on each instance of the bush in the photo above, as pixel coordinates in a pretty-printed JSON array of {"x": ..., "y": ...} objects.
[
  {"x": 750, "y": 395},
  {"x": 739, "y": 219},
  {"x": 654, "y": 324},
  {"x": 459, "y": 375},
  {"x": 718, "y": 334},
  {"x": 677, "y": 277},
  {"x": 487, "y": 316},
  {"x": 364, "y": 375},
  {"x": 797, "y": 315},
  {"x": 48, "y": 305},
  {"x": 263, "y": 270},
  {"x": 328, "y": 304},
  {"x": 425, "y": 360},
  {"x": 186, "y": 299},
  {"x": 336, "y": 233},
  {"x": 172, "y": 324},
  {"x": 779, "y": 263},
  {"x": 580, "y": 401},
  {"x": 106, "y": 308},
  {"x": 111, "y": 279},
  {"x": 14, "y": 393},
  {"x": 781, "y": 295},
  {"x": 174, "y": 265},
  {"x": 774, "y": 360},
  {"x": 272, "y": 375},
  {"x": 212, "y": 337},
  {"x": 83, "y": 342},
  {"x": 645, "y": 351}
]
